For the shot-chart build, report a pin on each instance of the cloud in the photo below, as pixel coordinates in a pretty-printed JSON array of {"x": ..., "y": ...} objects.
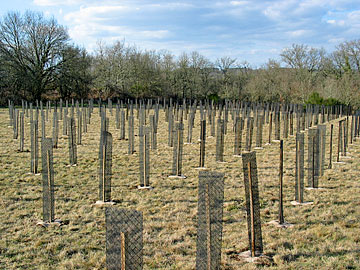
[
  {"x": 299, "y": 33},
  {"x": 57, "y": 2},
  {"x": 239, "y": 3},
  {"x": 110, "y": 23},
  {"x": 95, "y": 13},
  {"x": 336, "y": 22},
  {"x": 158, "y": 34},
  {"x": 248, "y": 30}
]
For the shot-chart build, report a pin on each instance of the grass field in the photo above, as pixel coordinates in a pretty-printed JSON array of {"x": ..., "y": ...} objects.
[{"x": 325, "y": 235}]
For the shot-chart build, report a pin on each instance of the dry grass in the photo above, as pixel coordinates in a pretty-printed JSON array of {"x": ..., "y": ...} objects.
[{"x": 325, "y": 235}]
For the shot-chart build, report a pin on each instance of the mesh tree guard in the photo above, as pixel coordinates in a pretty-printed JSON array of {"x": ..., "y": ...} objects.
[
  {"x": 16, "y": 123},
  {"x": 239, "y": 125},
  {"x": 110, "y": 105},
  {"x": 144, "y": 156},
  {"x": 89, "y": 112},
  {"x": 65, "y": 123},
  {"x": 105, "y": 166},
  {"x": 47, "y": 179},
  {"x": 307, "y": 116},
  {"x": 104, "y": 123},
  {"x": 331, "y": 146},
  {"x": 55, "y": 129},
  {"x": 352, "y": 129},
  {"x": 313, "y": 158},
  {"x": 322, "y": 144},
  {"x": 322, "y": 114},
  {"x": 252, "y": 203},
  {"x": 11, "y": 114},
  {"x": 202, "y": 143},
  {"x": 220, "y": 140},
  {"x": 61, "y": 110},
  {"x": 210, "y": 215},
  {"x": 190, "y": 127},
  {"x": 303, "y": 119},
  {"x": 34, "y": 148},
  {"x": 79, "y": 128},
  {"x": 47, "y": 111},
  {"x": 43, "y": 125},
  {"x": 286, "y": 124},
  {"x": 249, "y": 132},
  {"x": 131, "y": 134},
  {"x": 340, "y": 140},
  {"x": 153, "y": 130},
  {"x": 84, "y": 118},
  {"x": 226, "y": 118},
  {"x": 299, "y": 169},
  {"x": 170, "y": 129},
  {"x": 117, "y": 116},
  {"x": 281, "y": 169},
  {"x": 213, "y": 116},
  {"x": 124, "y": 239},
  {"x": 31, "y": 111},
  {"x": 291, "y": 123},
  {"x": 178, "y": 149},
  {"x": 345, "y": 134},
  {"x": 26, "y": 109},
  {"x": 72, "y": 143},
  {"x": 22, "y": 133},
  {"x": 37, "y": 115},
  {"x": 270, "y": 127},
  {"x": 122, "y": 128},
  {"x": 259, "y": 129},
  {"x": 316, "y": 115},
  {"x": 267, "y": 113},
  {"x": 277, "y": 125}
]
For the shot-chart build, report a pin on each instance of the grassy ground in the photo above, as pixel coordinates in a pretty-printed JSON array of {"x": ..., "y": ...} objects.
[{"x": 325, "y": 235}]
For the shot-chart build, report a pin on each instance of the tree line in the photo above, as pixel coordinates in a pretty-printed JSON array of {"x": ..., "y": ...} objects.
[{"x": 39, "y": 61}]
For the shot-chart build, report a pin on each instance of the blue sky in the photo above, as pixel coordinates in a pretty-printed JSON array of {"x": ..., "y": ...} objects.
[{"x": 252, "y": 31}]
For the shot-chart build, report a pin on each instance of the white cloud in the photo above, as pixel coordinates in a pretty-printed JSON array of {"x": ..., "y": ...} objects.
[
  {"x": 354, "y": 16},
  {"x": 336, "y": 22},
  {"x": 57, "y": 2},
  {"x": 278, "y": 10},
  {"x": 239, "y": 3},
  {"x": 298, "y": 33},
  {"x": 94, "y": 13},
  {"x": 158, "y": 34},
  {"x": 336, "y": 40},
  {"x": 246, "y": 29}
]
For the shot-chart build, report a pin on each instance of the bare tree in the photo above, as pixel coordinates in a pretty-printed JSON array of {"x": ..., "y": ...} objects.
[
  {"x": 225, "y": 63},
  {"x": 347, "y": 56},
  {"x": 31, "y": 46}
]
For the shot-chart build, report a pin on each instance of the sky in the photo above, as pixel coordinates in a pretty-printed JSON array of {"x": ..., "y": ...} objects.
[{"x": 253, "y": 31}]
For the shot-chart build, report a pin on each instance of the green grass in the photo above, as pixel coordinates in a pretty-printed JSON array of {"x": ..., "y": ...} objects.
[{"x": 324, "y": 236}]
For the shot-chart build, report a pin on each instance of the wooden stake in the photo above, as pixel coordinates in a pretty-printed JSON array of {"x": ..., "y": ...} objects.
[{"x": 123, "y": 251}]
